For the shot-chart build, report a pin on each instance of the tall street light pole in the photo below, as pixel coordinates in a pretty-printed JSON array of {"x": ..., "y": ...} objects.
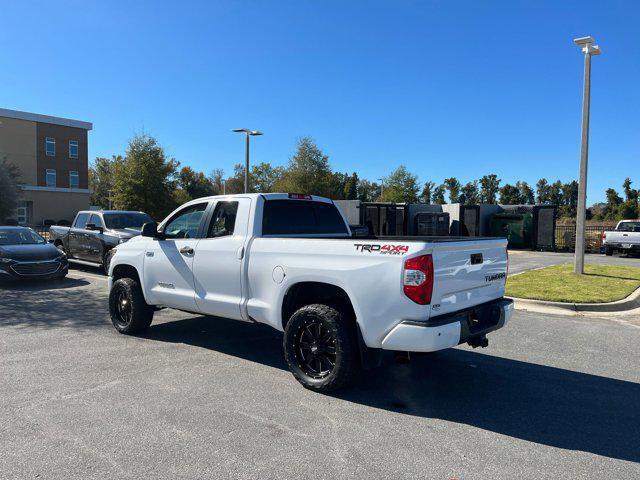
[
  {"x": 589, "y": 49},
  {"x": 248, "y": 133}
]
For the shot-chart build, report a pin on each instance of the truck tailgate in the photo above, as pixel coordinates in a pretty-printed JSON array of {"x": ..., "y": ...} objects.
[{"x": 468, "y": 273}]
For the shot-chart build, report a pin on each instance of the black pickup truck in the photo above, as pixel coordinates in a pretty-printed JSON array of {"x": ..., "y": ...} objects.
[{"x": 94, "y": 233}]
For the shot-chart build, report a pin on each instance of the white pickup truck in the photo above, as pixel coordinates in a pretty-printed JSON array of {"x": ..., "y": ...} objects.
[
  {"x": 290, "y": 261},
  {"x": 625, "y": 238}
]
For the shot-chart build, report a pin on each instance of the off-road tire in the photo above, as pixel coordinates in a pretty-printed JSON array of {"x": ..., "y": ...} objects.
[
  {"x": 343, "y": 341},
  {"x": 141, "y": 314}
]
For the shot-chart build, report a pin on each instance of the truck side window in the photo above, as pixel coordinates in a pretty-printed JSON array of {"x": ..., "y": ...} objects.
[
  {"x": 223, "y": 220},
  {"x": 185, "y": 223},
  {"x": 96, "y": 220},
  {"x": 81, "y": 220}
]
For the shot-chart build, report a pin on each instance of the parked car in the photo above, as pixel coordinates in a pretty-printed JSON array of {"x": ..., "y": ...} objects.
[
  {"x": 289, "y": 260},
  {"x": 93, "y": 234},
  {"x": 25, "y": 254},
  {"x": 625, "y": 238}
]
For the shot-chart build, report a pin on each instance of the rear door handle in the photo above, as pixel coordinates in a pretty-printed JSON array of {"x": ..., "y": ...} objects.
[{"x": 186, "y": 251}]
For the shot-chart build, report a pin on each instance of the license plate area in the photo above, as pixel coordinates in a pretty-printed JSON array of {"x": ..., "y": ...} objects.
[
  {"x": 481, "y": 319},
  {"x": 626, "y": 245}
]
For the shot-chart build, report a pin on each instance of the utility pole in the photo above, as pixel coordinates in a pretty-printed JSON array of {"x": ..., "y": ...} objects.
[
  {"x": 248, "y": 133},
  {"x": 589, "y": 49}
]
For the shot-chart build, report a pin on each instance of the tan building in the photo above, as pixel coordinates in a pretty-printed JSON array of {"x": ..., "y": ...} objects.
[{"x": 53, "y": 159}]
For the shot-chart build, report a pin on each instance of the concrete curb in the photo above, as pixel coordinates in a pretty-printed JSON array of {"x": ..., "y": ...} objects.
[{"x": 629, "y": 303}]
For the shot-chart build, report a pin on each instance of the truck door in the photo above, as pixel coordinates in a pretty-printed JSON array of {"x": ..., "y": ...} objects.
[
  {"x": 77, "y": 239},
  {"x": 168, "y": 263},
  {"x": 219, "y": 259},
  {"x": 95, "y": 240}
]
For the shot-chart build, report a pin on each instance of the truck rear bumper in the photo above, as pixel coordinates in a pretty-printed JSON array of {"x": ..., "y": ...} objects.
[{"x": 447, "y": 331}]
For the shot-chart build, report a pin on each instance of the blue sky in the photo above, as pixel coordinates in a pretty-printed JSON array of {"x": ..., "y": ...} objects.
[{"x": 446, "y": 88}]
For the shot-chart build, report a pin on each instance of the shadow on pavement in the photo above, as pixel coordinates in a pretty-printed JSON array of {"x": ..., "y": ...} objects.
[
  {"x": 52, "y": 303},
  {"x": 537, "y": 403}
]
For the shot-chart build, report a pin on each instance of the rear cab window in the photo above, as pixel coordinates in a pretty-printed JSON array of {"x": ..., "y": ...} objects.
[{"x": 302, "y": 217}]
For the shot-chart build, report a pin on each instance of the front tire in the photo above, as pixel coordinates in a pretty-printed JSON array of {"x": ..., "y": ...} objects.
[
  {"x": 320, "y": 348},
  {"x": 129, "y": 312}
]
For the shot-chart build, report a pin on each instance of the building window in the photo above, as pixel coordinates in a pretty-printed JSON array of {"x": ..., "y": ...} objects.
[
  {"x": 73, "y": 149},
  {"x": 74, "y": 179},
  {"x": 50, "y": 146},
  {"x": 51, "y": 178},
  {"x": 24, "y": 212}
]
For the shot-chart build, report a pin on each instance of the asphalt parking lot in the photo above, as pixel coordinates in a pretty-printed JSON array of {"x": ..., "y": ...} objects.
[
  {"x": 521, "y": 260},
  {"x": 198, "y": 397}
]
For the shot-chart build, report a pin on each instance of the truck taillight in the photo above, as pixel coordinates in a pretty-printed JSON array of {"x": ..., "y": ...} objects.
[
  {"x": 604, "y": 236},
  {"x": 418, "y": 279}
]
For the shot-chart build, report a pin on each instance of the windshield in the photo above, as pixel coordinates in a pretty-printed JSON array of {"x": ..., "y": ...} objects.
[
  {"x": 125, "y": 220},
  {"x": 22, "y": 236},
  {"x": 629, "y": 227}
]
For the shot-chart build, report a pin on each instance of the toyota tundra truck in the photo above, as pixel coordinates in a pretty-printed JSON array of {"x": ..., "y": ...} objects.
[{"x": 290, "y": 261}]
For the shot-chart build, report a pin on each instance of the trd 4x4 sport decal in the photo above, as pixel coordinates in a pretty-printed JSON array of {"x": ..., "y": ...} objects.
[{"x": 382, "y": 249}]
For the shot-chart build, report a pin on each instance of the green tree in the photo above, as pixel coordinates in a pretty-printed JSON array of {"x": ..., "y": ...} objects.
[
  {"x": 629, "y": 193},
  {"x": 216, "y": 177},
  {"x": 308, "y": 171},
  {"x": 543, "y": 191},
  {"x": 368, "y": 191},
  {"x": 102, "y": 179},
  {"x": 425, "y": 195},
  {"x": 438, "y": 195},
  {"x": 555, "y": 194},
  {"x": 525, "y": 193},
  {"x": 9, "y": 189},
  {"x": 613, "y": 203},
  {"x": 338, "y": 185},
  {"x": 401, "y": 186},
  {"x": 509, "y": 195},
  {"x": 470, "y": 194},
  {"x": 453, "y": 186},
  {"x": 195, "y": 184},
  {"x": 235, "y": 183},
  {"x": 145, "y": 180},
  {"x": 569, "y": 199},
  {"x": 351, "y": 188},
  {"x": 264, "y": 177},
  {"x": 489, "y": 188}
]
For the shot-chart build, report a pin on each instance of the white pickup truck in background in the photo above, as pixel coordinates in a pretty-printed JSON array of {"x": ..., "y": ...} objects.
[
  {"x": 289, "y": 260},
  {"x": 624, "y": 239}
]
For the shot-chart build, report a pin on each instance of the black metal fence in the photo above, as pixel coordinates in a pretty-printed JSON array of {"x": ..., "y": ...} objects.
[{"x": 566, "y": 237}]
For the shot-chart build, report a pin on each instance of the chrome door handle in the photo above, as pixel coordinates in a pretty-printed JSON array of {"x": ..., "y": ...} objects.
[{"x": 186, "y": 251}]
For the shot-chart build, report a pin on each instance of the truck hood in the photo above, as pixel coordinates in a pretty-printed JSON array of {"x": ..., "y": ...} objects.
[
  {"x": 125, "y": 233},
  {"x": 30, "y": 253}
]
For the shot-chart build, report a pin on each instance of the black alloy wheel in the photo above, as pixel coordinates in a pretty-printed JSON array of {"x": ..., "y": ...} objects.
[
  {"x": 128, "y": 310},
  {"x": 316, "y": 348},
  {"x": 320, "y": 347},
  {"x": 123, "y": 308}
]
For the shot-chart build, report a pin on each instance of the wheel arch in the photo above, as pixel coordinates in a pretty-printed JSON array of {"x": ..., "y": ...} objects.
[
  {"x": 124, "y": 270},
  {"x": 309, "y": 292}
]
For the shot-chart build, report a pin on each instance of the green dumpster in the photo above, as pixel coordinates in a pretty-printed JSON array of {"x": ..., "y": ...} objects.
[{"x": 517, "y": 227}]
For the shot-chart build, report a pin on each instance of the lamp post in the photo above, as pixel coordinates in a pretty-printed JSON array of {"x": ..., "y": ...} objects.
[
  {"x": 248, "y": 133},
  {"x": 381, "y": 186},
  {"x": 589, "y": 49}
]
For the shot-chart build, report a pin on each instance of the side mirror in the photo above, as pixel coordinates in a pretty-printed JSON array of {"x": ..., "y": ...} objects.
[
  {"x": 51, "y": 240},
  {"x": 150, "y": 230}
]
